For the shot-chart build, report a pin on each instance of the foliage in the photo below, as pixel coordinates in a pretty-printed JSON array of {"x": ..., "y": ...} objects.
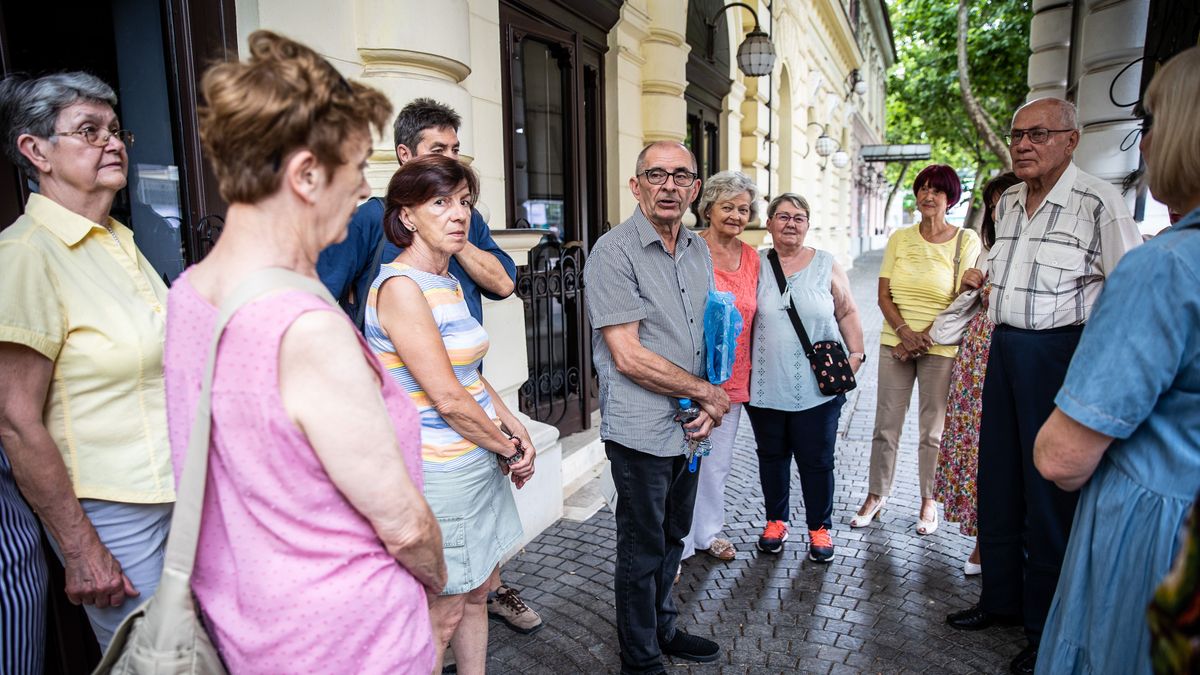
[{"x": 924, "y": 104}]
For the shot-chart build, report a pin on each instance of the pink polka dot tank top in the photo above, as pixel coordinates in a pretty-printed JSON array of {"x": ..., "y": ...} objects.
[{"x": 289, "y": 576}]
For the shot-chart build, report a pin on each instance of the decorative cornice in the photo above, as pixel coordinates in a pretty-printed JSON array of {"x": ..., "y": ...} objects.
[{"x": 383, "y": 62}]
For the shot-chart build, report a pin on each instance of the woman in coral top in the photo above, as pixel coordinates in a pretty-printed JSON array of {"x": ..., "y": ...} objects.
[{"x": 729, "y": 202}]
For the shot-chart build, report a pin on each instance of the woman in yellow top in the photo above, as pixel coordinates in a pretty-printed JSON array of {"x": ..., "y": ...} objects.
[
  {"x": 917, "y": 280},
  {"x": 82, "y": 405}
]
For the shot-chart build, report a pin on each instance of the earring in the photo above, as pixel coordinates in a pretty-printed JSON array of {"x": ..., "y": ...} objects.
[{"x": 411, "y": 229}]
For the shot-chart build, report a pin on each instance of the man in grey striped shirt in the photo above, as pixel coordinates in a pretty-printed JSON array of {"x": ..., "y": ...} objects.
[
  {"x": 646, "y": 283},
  {"x": 1058, "y": 236}
]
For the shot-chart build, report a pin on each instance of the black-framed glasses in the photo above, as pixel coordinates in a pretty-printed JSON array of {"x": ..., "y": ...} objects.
[
  {"x": 659, "y": 177},
  {"x": 99, "y": 137},
  {"x": 1036, "y": 136},
  {"x": 785, "y": 218}
]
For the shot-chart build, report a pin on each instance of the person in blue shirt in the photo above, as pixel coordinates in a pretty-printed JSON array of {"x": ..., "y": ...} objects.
[
  {"x": 1126, "y": 428},
  {"x": 427, "y": 127},
  {"x": 423, "y": 127}
]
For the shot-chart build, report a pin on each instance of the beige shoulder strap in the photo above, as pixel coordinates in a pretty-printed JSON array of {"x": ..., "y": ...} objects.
[{"x": 185, "y": 524}]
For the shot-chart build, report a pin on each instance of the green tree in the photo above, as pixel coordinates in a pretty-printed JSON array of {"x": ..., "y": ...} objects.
[{"x": 925, "y": 102}]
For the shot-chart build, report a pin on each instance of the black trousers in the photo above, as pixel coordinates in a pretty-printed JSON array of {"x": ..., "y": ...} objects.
[
  {"x": 1024, "y": 519},
  {"x": 809, "y": 437},
  {"x": 655, "y": 498}
]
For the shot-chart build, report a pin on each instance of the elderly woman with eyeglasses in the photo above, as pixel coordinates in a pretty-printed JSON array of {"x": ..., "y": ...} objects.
[
  {"x": 791, "y": 418},
  {"x": 728, "y": 204},
  {"x": 82, "y": 404}
]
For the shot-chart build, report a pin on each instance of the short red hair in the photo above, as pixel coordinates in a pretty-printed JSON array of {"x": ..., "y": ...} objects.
[{"x": 942, "y": 178}]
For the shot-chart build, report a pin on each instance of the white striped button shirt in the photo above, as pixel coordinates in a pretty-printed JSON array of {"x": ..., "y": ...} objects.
[
  {"x": 1047, "y": 271},
  {"x": 629, "y": 276}
]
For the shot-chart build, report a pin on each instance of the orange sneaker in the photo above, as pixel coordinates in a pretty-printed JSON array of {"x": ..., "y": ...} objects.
[
  {"x": 820, "y": 545},
  {"x": 773, "y": 536}
]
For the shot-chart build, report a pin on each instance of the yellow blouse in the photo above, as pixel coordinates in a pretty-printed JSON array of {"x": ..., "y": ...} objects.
[
  {"x": 919, "y": 273},
  {"x": 97, "y": 310}
]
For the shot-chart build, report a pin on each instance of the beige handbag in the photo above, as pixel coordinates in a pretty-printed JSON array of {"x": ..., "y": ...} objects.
[
  {"x": 166, "y": 635},
  {"x": 949, "y": 326}
]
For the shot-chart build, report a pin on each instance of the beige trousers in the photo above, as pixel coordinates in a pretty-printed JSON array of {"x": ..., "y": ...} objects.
[{"x": 896, "y": 378}]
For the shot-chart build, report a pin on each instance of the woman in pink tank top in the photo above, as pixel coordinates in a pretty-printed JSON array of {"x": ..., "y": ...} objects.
[{"x": 316, "y": 548}]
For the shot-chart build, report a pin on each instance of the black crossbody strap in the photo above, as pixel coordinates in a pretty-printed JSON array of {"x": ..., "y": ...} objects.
[{"x": 791, "y": 307}]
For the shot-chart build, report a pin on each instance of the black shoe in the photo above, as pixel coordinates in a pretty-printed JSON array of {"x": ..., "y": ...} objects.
[
  {"x": 690, "y": 648},
  {"x": 1024, "y": 662},
  {"x": 976, "y": 618}
]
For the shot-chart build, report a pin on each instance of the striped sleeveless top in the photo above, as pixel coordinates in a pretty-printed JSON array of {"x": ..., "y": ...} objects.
[{"x": 442, "y": 448}]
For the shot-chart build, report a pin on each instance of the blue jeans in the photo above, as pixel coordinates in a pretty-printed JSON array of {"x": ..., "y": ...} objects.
[
  {"x": 809, "y": 437},
  {"x": 655, "y": 498}
]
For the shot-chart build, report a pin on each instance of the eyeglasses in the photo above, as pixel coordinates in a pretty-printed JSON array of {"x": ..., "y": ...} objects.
[
  {"x": 659, "y": 177},
  {"x": 1036, "y": 136},
  {"x": 99, "y": 137},
  {"x": 785, "y": 218}
]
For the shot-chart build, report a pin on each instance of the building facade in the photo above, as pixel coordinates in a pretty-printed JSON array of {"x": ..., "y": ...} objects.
[{"x": 558, "y": 97}]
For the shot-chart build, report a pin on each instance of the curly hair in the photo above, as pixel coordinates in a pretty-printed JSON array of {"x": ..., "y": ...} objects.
[
  {"x": 284, "y": 98},
  {"x": 727, "y": 185}
]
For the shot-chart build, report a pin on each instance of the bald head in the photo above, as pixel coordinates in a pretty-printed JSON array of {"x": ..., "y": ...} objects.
[
  {"x": 1063, "y": 112},
  {"x": 662, "y": 145}
]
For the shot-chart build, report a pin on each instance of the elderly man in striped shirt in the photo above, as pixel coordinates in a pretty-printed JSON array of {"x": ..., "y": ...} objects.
[
  {"x": 647, "y": 281},
  {"x": 1059, "y": 234}
]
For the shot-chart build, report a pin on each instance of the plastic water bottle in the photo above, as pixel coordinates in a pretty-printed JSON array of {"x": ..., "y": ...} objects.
[{"x": 694, "y": 450}]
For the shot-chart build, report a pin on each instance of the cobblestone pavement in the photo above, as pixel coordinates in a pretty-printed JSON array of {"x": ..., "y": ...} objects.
[{"x": 879, "y": 607}]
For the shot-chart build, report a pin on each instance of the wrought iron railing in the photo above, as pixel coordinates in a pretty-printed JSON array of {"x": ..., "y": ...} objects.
[{"x": 558, "y": 391}]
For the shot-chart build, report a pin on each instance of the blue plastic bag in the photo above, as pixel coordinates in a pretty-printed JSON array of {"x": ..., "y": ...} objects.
[{"x": 722, "y": 326}]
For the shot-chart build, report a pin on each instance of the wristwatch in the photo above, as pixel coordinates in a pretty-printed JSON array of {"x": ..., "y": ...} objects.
[{"x": 862, "y": 356}]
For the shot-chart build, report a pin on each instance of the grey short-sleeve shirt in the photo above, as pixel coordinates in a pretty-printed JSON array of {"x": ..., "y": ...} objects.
[{"x": 629, "y": 276}]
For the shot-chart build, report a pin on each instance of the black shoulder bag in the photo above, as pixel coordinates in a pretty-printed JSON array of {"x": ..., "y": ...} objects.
[{"x": 828, "y": 360}]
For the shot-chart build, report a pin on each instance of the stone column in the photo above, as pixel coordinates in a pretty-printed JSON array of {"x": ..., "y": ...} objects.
[{"x": 664, "y": 75}]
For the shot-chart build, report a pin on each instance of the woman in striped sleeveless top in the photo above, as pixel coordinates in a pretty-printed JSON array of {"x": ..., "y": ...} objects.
[{"x": 419, "y": 325}]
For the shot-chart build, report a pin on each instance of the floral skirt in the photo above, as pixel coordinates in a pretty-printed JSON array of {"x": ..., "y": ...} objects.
[{"x": 958, "y": 457}]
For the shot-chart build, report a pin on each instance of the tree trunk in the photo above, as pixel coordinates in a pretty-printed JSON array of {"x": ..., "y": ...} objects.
[
  {"x": 974, "y": 219},
  {"x": 975, "y": 112},
  {"x": 891, "y": 195}
]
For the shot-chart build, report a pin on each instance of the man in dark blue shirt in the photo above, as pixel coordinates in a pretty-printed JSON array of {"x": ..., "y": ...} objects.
[
  {"x": 426, "y": 127},
  {"x": 423, "y": 127}
]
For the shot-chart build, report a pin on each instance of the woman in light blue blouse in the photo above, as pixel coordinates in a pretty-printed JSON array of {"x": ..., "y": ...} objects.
[
  {"x": 1127, "y": 424},
  {"x": 790, "y": 416}
]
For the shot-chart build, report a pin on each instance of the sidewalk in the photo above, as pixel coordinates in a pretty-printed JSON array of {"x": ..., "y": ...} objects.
[{"x": 879, "y": 607}]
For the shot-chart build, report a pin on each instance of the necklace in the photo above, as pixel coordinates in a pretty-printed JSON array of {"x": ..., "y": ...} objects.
[{"x": 112, "y": 233}]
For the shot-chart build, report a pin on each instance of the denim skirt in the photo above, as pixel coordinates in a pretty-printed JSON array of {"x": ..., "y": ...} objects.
[{"x": 475, "y": 507}]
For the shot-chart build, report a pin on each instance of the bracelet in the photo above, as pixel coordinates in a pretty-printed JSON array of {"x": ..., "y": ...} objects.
[
  {"x": 515, "y": 458},
  {"x": 897, "y": 328}
]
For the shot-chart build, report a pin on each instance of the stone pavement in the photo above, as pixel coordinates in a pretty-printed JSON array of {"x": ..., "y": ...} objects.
[{"x": 879, "y": 607}]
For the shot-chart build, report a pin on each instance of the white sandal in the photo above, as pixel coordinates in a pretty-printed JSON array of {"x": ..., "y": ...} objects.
[
  {"x": 865, "y": 519},
  {"x": 926, "y": 527}
]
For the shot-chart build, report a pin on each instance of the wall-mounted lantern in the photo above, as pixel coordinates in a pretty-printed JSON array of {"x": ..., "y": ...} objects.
[
  {"x": 756, "y": 54},
  {"x": 855, "y": 84}
]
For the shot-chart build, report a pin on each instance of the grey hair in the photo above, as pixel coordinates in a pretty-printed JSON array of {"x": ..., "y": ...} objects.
[
  {"x": 795, "y": 199},
  {"x": 1067, "y": 111},
  {"x": 31, "y": 106},
  {"x": 727, "y": 185},
  {"x": 641, "y": 158}
]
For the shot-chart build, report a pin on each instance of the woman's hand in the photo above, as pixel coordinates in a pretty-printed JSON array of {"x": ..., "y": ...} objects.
[
  {"x": 94, "y": 577},
  {"x": 915, "y": 343},
  {"x": 856, "y": 362},
  {"x": 900, "y": 353},
  {"x": 973, "y": 278},
  {"x": 522, "y": 471}
]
